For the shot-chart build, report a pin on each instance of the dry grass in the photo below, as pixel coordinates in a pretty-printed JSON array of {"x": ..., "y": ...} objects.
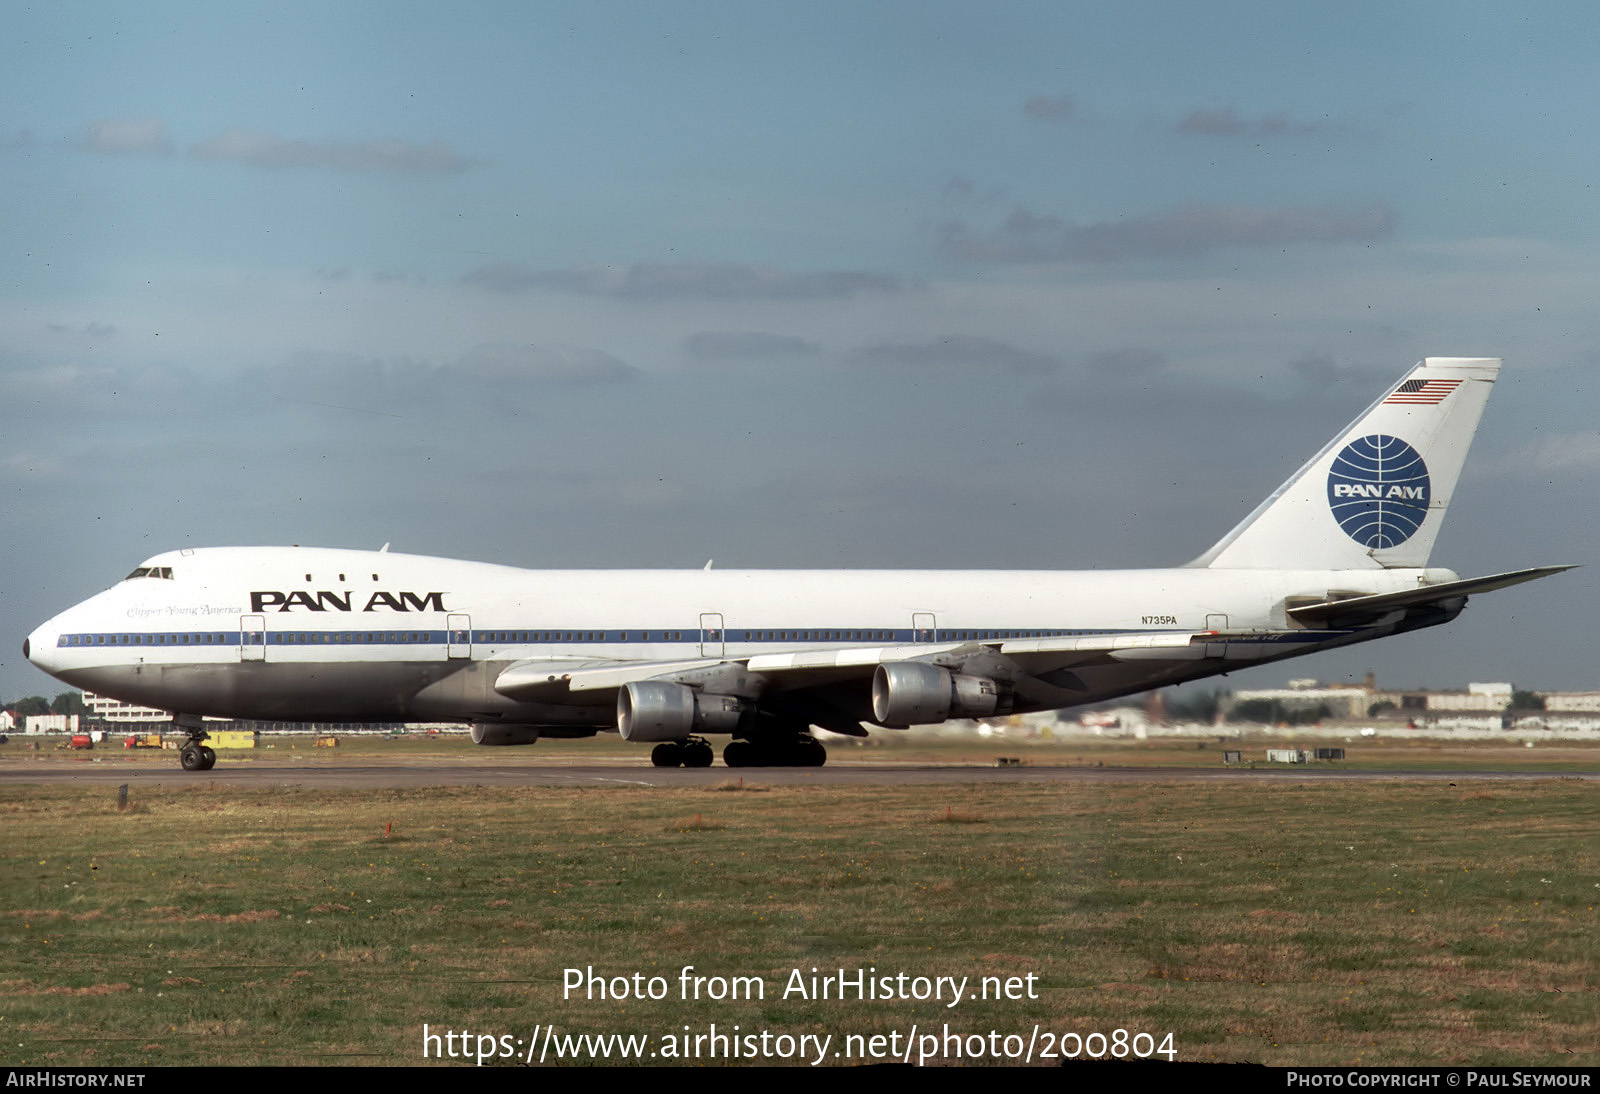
[{"x": 1328, "y": 924}]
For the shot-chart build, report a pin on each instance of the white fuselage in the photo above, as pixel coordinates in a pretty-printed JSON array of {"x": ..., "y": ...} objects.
[{"x": 314, "y": 634}]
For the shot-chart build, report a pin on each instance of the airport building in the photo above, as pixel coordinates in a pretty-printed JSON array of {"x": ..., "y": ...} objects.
[{"x": 118, "y": 715}]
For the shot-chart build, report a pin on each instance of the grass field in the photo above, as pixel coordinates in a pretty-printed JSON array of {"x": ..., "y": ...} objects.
[
  {"x": 1359, "y": 923},
  {"x": 1511, "y": 753}
]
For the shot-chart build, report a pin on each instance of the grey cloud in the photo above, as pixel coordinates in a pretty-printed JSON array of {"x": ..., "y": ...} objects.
[
  {"x": 961, "y": 190},
  {"x": 683, "y": 280},
  {"x": 561, "y": 365},
  {"x": 1184, "y": 232},
  {"x": 1322, "y": 370},
  {"x": 717, "y": 345},
  {"x": 1558, "y": 452},
  {"x": 1226, "y": 122},
  {"x": 128, "y": 137},
  {"x": 93, "y": 330},
  {"x": 258, "y": 149},
  {"x": 962, "y": 351},
  {"x": 1127, "y": 362},
  {"x": 1055, "y": 108},
  {"x": 493, "y": 378}
]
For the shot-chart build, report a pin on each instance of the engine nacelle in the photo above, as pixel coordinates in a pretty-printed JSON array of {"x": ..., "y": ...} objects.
[
  {"x": 489, "y": 733},
  {"x": 652, "y": 710},
  {"x": 915, "y": 693}
]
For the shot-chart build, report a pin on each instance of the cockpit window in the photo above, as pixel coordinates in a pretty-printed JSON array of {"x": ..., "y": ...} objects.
[{"x": 151, "y": 571}]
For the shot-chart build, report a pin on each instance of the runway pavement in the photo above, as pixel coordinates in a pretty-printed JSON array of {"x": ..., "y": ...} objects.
[{"x": 366, "y": 774}]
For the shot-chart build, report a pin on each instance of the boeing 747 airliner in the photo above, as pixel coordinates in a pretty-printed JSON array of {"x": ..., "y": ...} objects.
[{"x": 1337, "y": 555}]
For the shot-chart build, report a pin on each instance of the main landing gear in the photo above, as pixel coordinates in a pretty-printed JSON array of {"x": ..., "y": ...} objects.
[
  {"x": 690, "y": 752},
  {"x": 803, "y": 750}
]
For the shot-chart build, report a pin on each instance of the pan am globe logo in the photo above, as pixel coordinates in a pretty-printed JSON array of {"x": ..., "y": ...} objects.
[{"x": 1378, "y": 491}]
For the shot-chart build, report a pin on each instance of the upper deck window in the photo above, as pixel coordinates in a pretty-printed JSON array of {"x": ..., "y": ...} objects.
[{"x": 151, "y": 571}]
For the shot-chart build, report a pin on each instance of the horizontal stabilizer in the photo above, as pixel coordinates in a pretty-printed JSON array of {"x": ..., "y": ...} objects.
[{"x": 1352, "y": 611}]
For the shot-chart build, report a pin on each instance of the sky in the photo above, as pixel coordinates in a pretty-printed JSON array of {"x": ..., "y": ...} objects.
[{"x": 856, "y": 284}]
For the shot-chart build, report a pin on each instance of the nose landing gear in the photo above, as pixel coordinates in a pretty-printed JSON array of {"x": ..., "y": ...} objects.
[{"x": 194, "y": 755}]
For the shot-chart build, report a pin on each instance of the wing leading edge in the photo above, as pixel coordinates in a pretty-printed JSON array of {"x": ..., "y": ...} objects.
[{"x": 530, "y": 681}]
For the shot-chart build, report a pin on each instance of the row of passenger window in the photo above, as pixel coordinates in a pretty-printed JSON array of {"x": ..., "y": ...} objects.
[
  {"x": 319, "y": 638},
  {"x": 204, "y": 638}
]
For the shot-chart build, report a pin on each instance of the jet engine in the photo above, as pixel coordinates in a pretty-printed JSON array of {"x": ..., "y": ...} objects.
[
  {"x": 914, "y": 693},
  {"x": 524, "y": 733},
  {"x": 487, "y": 733},
  {"x": 652, "y": 710}
]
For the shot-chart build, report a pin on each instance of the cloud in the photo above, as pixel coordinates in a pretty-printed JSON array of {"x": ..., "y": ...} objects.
[
  {"x": 93, "y": 330},
  {"x": 717, "y": 345},
  {"x": 1225, "y": 122},
  {"x": 257, "y": 149},
  {"x": 1127, "y": 362},
  {"x": 683, "y": 280},
  {"x": 128, "y": 137},
  {"x": 24, "y": 464},
  {"x": 1051, "y": 108},
  {"x": 1184, "y": 232},
  {"x": 572, "y": 366},
  {"x": 1561, "y": 451},
  {"x": 1322, "y": 370},
  {"x": 962, "y": 351}
]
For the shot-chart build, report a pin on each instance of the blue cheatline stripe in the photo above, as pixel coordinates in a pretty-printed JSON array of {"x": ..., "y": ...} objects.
[
  {"x": 777, "y": 635},
  {"x": 545, "y": 637}
]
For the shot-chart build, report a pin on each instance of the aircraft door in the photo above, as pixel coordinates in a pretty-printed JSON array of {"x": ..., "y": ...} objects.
[
  {"x": 924, "y": 627},
  {"x": 1216, "y": 622},
  {"x": 712, "y": 636},
  {"x": 458, "y": 637},
  {"x": 252, "y": 638}
]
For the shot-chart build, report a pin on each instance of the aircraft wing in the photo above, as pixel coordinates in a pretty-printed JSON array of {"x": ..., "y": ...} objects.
[
  {"x": 551, "y": 680},
  {"x": 535, "y": 681},
  {"x": 1358, "y": 610}
]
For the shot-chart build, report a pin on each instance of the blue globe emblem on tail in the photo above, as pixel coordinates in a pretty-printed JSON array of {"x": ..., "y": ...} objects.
[{"x": 1378, "y": 491}]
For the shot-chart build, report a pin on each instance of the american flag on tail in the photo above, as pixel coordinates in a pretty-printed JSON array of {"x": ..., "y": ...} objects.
[{"x": 1422, "y": 392}]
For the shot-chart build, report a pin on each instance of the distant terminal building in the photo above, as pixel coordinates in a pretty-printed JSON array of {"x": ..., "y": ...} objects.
[
  {"x": 105, "y": 709},
  {"x": 1367, "y": 701},
  {"x": 120, "y": 715},
  {"x": 52, "y": 723},
  {"x": 1576, "y": 702}
]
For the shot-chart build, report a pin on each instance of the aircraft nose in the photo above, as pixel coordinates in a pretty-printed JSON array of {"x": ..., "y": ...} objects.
[{"x": 39, "y": 647}]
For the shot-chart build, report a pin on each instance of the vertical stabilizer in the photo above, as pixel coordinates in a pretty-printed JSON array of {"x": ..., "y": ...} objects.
[{"x": 1376, "y": 495}]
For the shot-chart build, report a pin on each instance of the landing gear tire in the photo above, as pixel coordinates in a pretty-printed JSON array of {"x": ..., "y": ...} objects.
[
  {"x": 802, "y": 751},
  {"x": 694, "y": 752},
  {"x": 194, "y": 755}
]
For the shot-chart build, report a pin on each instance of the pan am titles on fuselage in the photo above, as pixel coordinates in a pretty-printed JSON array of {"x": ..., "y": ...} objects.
[{"x": 1337, "y": 555}]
